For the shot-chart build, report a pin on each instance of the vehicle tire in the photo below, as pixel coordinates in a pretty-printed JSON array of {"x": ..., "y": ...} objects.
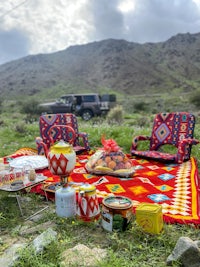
[{"x": 87, "y": 114}]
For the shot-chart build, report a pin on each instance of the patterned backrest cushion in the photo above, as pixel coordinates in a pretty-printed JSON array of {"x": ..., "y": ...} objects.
[
  {"x": 170, "y": 128},
  {"x": 47, "y": 120}
]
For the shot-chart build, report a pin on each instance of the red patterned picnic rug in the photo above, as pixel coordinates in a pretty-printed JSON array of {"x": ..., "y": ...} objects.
[{"x": 174, "y": 186}]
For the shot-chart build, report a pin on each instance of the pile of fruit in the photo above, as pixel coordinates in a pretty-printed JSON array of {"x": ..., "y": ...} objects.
[
  {"x": 110, "y": 160},
  {"x": 113, "y": 163}
]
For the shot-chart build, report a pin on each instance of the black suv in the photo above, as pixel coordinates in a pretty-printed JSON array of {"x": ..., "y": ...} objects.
[{"x": 84, "y": 105}]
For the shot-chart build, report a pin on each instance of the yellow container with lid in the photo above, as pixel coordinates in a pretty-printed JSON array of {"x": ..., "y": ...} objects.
[{"x": 149, "y": 217}]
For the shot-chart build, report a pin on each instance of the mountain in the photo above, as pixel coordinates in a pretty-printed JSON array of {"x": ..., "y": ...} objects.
[{"x": 119, "y": 65}]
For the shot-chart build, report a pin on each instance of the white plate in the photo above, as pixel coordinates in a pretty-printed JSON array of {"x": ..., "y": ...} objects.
[{"x": 36, "y": 162}]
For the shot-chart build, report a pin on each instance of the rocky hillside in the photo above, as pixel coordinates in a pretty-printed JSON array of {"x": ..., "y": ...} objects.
[{"x": 125, "y": 67}]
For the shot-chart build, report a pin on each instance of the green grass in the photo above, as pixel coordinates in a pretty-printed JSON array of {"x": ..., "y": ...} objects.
[{"x": 130, "y": 248}]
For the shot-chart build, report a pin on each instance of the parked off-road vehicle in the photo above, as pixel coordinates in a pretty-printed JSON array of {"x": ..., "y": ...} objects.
[{"x": 84, "y": 105}]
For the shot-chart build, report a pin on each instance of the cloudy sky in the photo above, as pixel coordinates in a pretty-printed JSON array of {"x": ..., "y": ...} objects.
[{"x": 45, "y": 26}]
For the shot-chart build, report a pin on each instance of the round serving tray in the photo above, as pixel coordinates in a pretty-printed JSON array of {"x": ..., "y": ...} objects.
[{"x": 36, "y": 162}]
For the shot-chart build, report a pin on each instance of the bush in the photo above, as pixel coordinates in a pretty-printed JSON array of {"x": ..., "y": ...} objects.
[
  {"x": 115, "y": 115},
  {"x": 140, "y": 106},
  {"x": 20, "y": 128},
  {"x": 30, "y": 107},
  {"x": 195, "y": 99}
]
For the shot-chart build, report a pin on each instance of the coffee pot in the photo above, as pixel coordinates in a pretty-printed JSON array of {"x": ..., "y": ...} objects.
[
  {"x": 62, "y": 159},
  {"x": 87, "y": 203}
]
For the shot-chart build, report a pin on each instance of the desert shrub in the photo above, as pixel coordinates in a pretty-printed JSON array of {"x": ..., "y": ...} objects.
[
  {"x": 115, "y": 115},
  {"x": 195, "y": 99},
  {"x": 140, "y": 106},
  {"x": 144, "y": 121},
  {"x": 30, "y": 107},
  {"x": 20, "y": 128},
  {"x": 128, "y": 105}
]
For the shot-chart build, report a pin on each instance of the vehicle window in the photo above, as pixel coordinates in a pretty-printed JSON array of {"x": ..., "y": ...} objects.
[
  {"x": 78, "y": 100},
  {"x": 65, "y": 99},
  {"x": 61, "y": 100},
  {"x": 68, "y": 99},
  {"x": 109, "y": 98},
  {"x": 89, "y": 98}
]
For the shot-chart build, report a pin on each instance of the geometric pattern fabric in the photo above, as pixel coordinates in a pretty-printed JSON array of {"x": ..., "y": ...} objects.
[
  {"x": 177, "y": 193},
  {"x": 178, "y": 196},
  {"x": 46, "y": 121},
  {"x": 175, "y": 129}
]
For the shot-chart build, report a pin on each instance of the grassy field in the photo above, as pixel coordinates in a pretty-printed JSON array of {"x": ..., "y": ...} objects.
[{"x": 130, "y": 248}]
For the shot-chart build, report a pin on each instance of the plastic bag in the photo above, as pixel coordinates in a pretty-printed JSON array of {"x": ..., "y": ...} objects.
[{"x": 110, "y": 160}]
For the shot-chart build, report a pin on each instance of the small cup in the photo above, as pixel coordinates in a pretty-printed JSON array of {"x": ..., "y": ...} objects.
[
  {"x": 27, "y": 169},
  {"x": 6, "y": 177},
  {"x": 19, "y": 174},
  {"x": 32, "y": 175}
]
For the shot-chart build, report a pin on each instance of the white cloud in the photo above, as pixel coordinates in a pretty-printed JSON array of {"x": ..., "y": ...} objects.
[
  {"x": 44, "y": 26},
  {"x": 158, "y": 20},
  {"x": 126, "y": 6},
  {"x": 50, "y": 25}
]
